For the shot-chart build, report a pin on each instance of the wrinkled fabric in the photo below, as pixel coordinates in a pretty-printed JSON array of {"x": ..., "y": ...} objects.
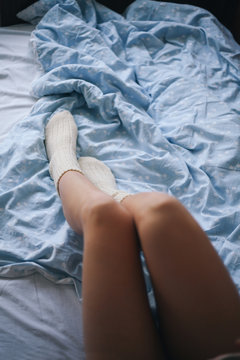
[
  {"x": 155, "y": 95},
  {"x": 18, "y": 69},
  {"x": 40, "y": 320}
]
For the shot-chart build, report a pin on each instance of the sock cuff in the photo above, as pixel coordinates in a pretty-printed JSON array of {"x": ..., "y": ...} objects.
[
  {"x": 120, "y": 195},
  {"x": 61, "y": 163},
  {"x": 58, "y": 181}
]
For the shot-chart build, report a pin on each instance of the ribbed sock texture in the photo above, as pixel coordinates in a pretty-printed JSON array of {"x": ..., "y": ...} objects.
[
  {"x": 61, "y": 137},
  {"x": 101, "y": 176}
]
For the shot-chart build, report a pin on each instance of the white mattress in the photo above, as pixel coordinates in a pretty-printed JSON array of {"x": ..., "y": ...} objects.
[{"x": 38, "y": 319}]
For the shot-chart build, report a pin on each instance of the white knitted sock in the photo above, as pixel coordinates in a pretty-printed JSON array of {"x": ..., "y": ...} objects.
[
  {"x": 101, "y": 176},
  {"x": 60, "y": 140}
]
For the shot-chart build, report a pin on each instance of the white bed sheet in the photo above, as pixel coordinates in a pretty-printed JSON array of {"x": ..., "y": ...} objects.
[
  {"x": 17, "y": 71},
  {"x": 38, "y": 319}
]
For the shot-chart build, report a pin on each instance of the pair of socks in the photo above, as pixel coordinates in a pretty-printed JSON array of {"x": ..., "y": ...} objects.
[{"x": 60, "y": 140}]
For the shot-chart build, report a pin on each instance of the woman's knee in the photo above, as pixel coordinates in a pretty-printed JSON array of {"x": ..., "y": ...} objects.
[
  {"x": 160, "y": 211},
  {"x": 105, "y": 212},
  {"x": 157, "y": 204}
]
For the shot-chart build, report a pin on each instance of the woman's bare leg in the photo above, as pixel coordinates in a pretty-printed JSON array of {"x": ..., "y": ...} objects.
[
  {"x": 199, "y": 307},
  {"x": 116, "y": 317}
]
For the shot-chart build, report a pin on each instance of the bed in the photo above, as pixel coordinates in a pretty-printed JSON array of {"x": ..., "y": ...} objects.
[{"x": 155, "y": 94}]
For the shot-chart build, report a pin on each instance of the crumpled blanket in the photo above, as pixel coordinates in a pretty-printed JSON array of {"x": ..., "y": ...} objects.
[{"x": 155, "y": 95}]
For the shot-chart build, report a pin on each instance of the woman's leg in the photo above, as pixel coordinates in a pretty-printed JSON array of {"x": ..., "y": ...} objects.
[
  {"x": 116, "y": 317},
  {"x": 198, "y": 304}
]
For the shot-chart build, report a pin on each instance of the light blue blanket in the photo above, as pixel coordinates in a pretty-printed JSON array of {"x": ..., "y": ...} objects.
[{"x": 155, "y": 94}]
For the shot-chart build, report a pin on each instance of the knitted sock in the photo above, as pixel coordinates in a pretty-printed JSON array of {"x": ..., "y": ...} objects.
[
  {"x": 60, "y": 141},
  {"x": 101, "y": 176}
]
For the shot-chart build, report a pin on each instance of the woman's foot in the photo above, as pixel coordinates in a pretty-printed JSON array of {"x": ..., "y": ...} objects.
[
  {"x": 60, "y": 140},
  {"x": 101, "y": 176}
]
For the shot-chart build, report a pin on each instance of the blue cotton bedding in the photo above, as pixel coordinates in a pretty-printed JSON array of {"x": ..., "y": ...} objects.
[{"x": 155, "y": 95}]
